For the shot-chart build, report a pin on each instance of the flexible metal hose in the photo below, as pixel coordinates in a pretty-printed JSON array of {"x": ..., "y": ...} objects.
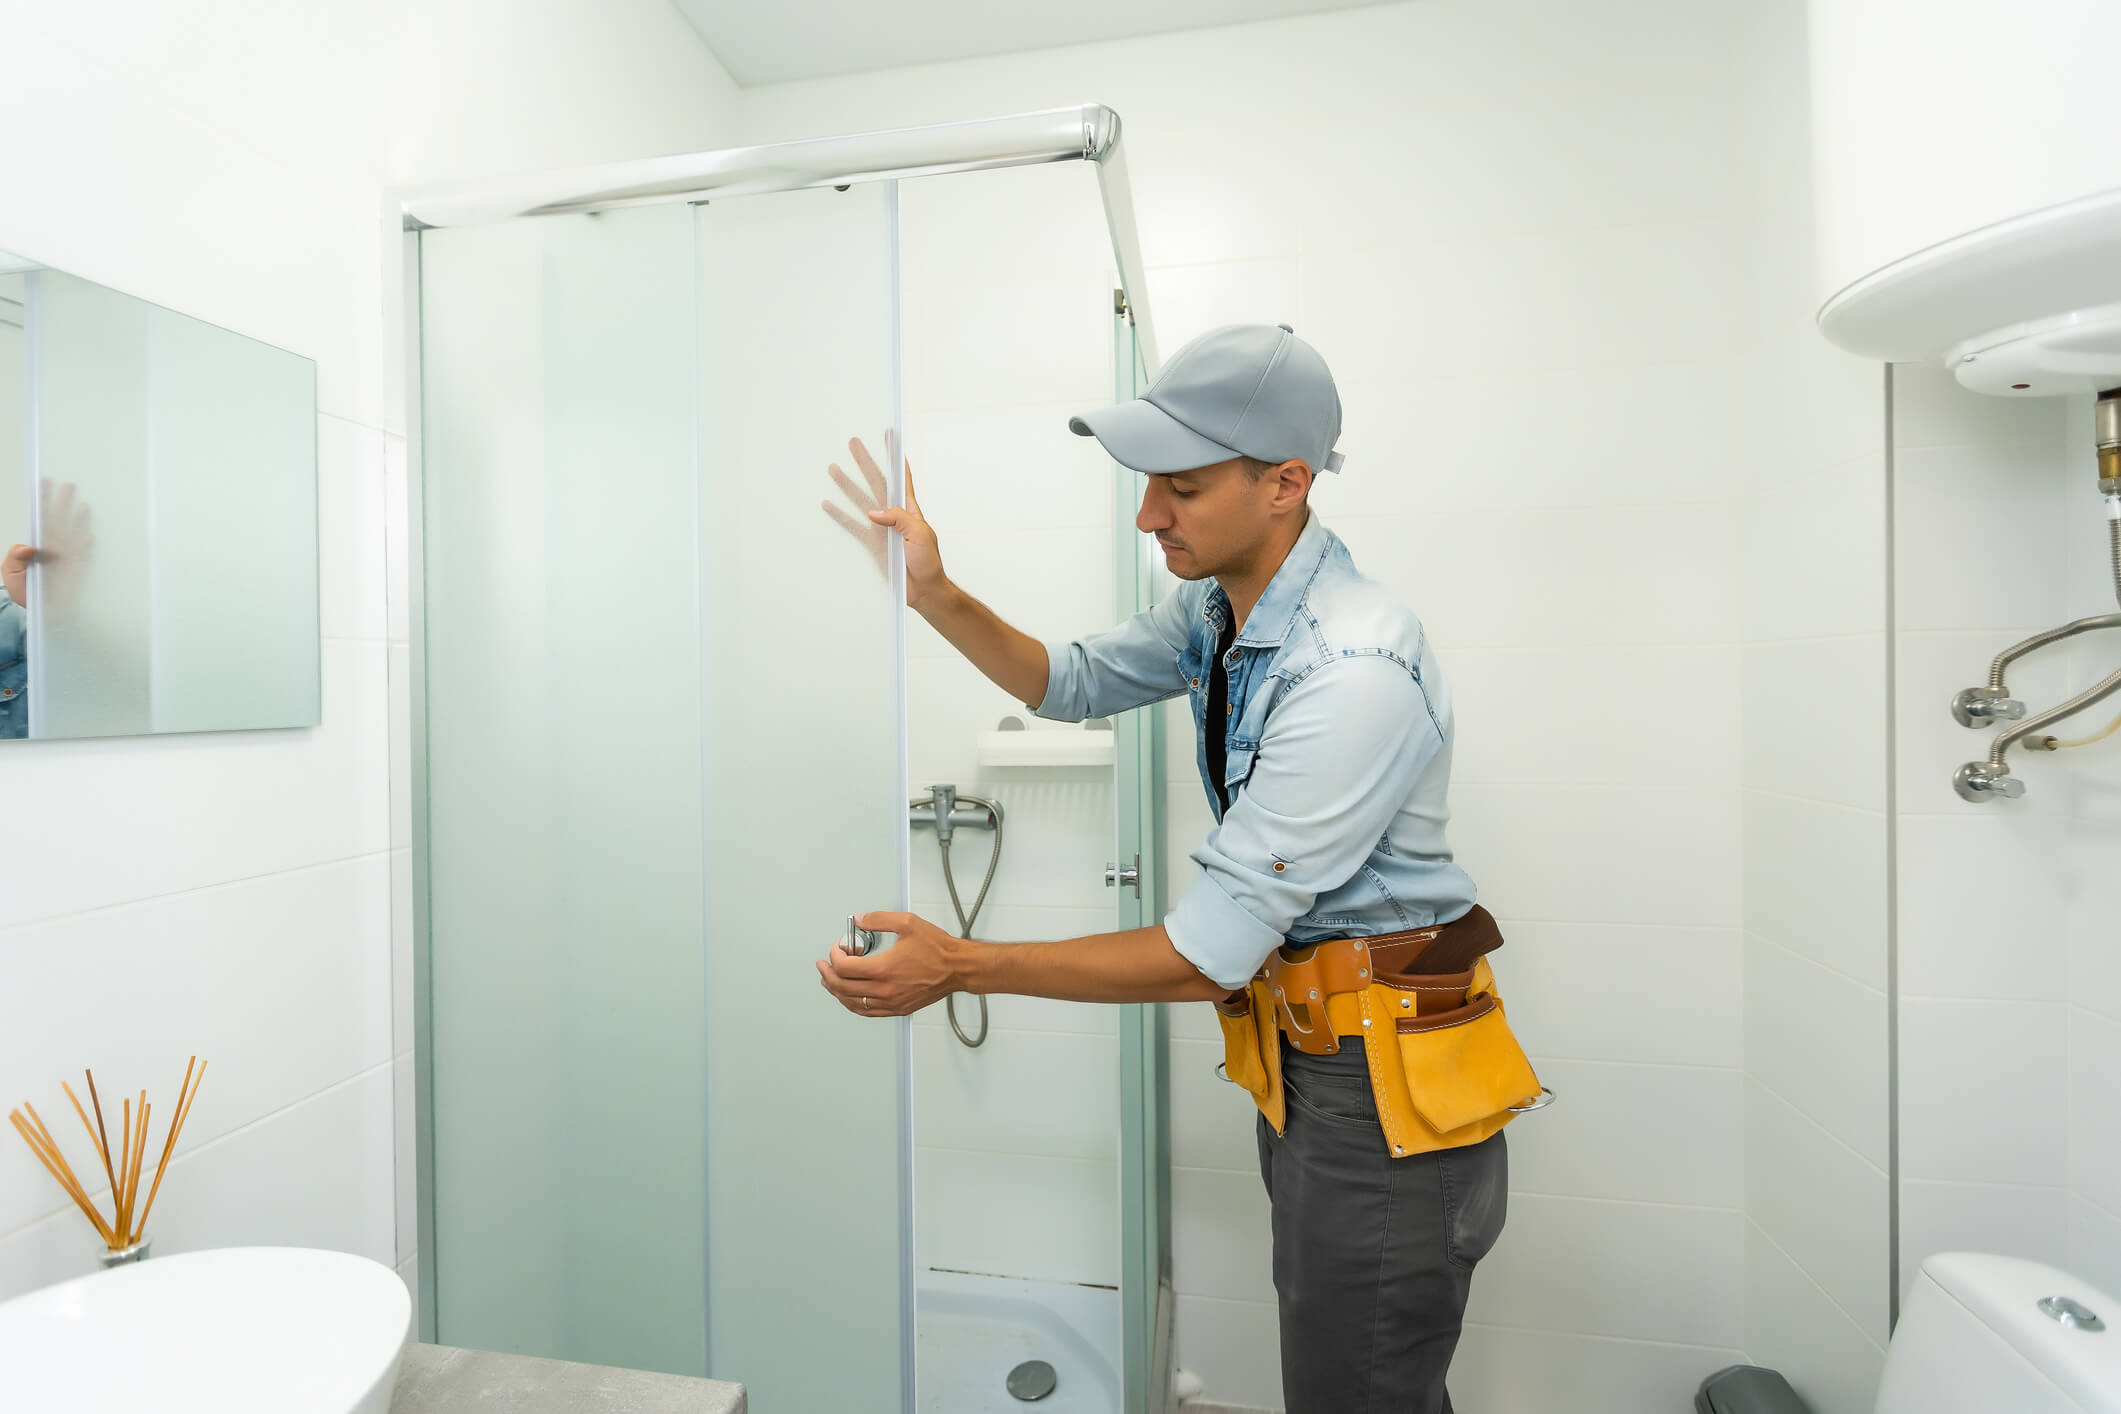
[
  {"x": 2016, "y": 651},
  {"x": 964, "y": 928},
  {"x": 2091, "y": 696}
]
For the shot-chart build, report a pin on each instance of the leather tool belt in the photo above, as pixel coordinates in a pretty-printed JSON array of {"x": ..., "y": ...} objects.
[{"x": 1445, "y": 1067}]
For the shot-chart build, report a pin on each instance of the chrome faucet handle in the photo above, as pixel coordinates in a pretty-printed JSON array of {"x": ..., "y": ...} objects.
[
  {"x": 1979, "y": 780},
  {"x": 1979, "y": 707}
]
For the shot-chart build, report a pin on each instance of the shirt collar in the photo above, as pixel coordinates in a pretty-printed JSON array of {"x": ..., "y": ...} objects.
[{"x": 1269, "y": 621}]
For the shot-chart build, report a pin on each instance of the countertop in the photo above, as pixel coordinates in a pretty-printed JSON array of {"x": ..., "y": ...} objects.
[{"x": 441, "y": 1379}]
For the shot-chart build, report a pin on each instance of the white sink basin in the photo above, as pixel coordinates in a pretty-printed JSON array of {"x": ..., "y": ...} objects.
[{"x": 241, "y": 1330}]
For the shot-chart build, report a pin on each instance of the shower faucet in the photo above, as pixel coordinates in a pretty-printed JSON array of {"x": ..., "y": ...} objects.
[{"x": 947, "y": 812}]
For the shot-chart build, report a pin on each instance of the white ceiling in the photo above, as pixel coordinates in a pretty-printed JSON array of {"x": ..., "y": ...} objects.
[{"x": 762, "y": 43}]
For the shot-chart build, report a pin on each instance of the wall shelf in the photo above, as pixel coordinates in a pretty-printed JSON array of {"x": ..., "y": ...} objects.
[{"x": 1092, "y": 749}]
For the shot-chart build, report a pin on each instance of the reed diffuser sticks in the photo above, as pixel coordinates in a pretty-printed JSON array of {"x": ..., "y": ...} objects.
[{"x": 128, "y": 1219}]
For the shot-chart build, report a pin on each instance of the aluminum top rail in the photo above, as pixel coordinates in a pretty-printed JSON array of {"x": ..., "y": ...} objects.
[{"x": 1088, "y": 133}]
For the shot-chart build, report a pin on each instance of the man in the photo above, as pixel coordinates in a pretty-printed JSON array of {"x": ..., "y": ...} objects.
[{"x": 1325, "y": 747}]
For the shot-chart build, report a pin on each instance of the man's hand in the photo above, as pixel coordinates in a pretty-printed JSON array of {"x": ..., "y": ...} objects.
[
  {"x": 924, "y": 558},
  {"x": 14, "y": 573},
  {"x": 918, "y": 970}
]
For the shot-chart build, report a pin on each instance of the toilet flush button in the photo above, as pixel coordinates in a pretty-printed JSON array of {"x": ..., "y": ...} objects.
[{"x": 2074, "y": 1314}]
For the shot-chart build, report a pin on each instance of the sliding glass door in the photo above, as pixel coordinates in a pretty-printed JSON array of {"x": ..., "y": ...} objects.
[{"x": 659, "y": 694}]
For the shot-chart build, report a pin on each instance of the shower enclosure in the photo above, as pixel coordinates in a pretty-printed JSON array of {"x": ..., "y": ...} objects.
[{"x": 661, "y": 725}]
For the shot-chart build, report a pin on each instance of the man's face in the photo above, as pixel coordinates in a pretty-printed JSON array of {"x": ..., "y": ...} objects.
[{"x": 1210, "y": 520}]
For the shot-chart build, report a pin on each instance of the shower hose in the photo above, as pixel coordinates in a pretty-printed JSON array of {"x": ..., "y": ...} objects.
[{"x": 964, "y": 928}]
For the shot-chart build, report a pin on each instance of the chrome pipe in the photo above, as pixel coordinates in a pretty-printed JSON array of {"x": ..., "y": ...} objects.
[{"x": 2040, "y": 640}]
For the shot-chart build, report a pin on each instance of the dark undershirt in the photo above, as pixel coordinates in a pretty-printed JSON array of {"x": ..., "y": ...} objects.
[{"x": 1217, "y": 726}]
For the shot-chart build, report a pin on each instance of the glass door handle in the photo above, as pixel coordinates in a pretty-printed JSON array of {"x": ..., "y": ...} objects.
[
  {"x": 861, "y": 941},
  {"x": 1118, "y": 878}
]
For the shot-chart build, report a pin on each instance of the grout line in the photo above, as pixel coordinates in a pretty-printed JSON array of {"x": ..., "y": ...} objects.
[
  {"x": 1966, "y": 1000},
  {"x": 1804, "y": 1272},
  {"x": 1736, "y": 929},
  {"x": 358, "y": 424},
  {"x": 1873, "y": 810},
  {"x": 1827, "y": 968},
  {"x": 2002, "y": 636},
  {"x": 1858, "y": 636},
  {"x": 1663, "y": 1205},
  {"x": 142, "y": 902},
  {"x": 1836, "y": 1140},
  {"x": 1620, "y": 1339},
  {"x": 2110, "y": 1214},
  {"x": 2111, "y": 1017},
  {"x": 1655, "y": 1203},
  {"x": 1980, "y": 1183},
  {"x": 1734, "y": 1068}
]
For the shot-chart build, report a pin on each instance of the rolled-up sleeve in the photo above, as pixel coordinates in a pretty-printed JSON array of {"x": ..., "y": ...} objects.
[
  {"x": 1129, "y": 665},
  {"x": 1341, "y": 753}
]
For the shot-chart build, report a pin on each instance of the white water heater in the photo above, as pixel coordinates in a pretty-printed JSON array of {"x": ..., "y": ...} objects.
[{"x": 1968, "y": 187}]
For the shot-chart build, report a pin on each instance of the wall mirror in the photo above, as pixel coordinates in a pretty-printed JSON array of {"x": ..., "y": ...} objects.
[{"x": 158, "y": 518}]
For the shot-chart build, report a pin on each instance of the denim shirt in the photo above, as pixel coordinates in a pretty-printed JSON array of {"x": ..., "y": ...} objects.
[
  {"x": 14, "y": 668},
  {"x": 1338, "y": 738}
]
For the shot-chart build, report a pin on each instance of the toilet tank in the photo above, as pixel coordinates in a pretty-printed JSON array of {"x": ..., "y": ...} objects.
[{"x": 1973, "y": 1339}]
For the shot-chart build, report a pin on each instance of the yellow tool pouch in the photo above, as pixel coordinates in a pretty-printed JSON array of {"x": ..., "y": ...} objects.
[{"x": 1444, "y": 1067}]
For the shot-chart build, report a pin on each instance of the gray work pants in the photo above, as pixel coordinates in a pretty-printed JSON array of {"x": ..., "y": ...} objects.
[{"x": 1373, "y": 1256}]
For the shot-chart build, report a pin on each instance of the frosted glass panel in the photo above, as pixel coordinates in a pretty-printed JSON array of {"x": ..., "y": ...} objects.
[
  {"x": 562, "y": 658},
  {"x": 664, "y": 762},
  {"x": 807, "y": 802}
]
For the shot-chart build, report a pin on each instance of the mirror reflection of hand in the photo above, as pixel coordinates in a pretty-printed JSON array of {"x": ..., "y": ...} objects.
[
  {"x": 65, "y": 522},
  {"x": 924, "y": 558},
  {"x": 67, "y": 539}
]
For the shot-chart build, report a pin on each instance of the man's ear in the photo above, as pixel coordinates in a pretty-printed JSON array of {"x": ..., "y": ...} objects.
[{"x": 1293, "y": 480}]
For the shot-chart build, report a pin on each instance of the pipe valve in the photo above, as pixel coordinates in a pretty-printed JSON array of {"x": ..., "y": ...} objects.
[
  {"x": 1984, "y": 780},
  {"x": 1979, "y": 707}
]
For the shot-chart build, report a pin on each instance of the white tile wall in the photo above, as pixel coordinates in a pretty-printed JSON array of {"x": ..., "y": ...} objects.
[
  {"x": 1836, "y": 1242},
  {"x": 2009, "y": 1047},
  {"x": 1983, "y": 1090},
  {"x": 1816, "y": 1256},
  {"x": 1982, "y": 1217},
  {"x": 1504, "y": 1368},
  {"x": 1791, "y": 1323},
  {"x": 230, "y": 160}
]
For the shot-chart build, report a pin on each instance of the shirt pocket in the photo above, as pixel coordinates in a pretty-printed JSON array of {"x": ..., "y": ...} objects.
[{"x": 1237, "y": 768}]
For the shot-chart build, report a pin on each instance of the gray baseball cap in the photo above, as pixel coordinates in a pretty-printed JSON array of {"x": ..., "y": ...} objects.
[{"x": 1244, "y": 390}]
